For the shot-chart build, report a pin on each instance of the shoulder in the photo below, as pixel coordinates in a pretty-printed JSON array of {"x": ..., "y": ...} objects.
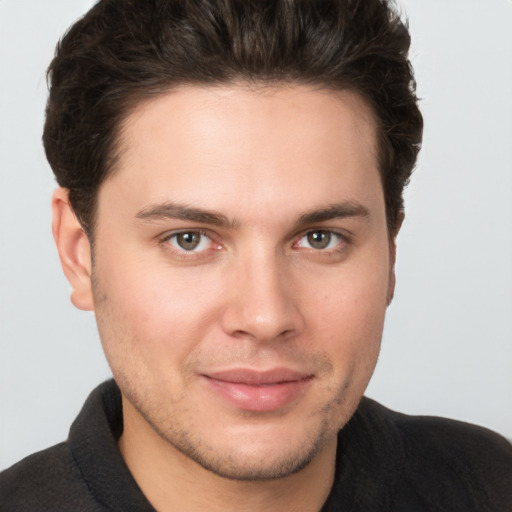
[
  {"x": 451, "y": 461},
  {"x": 432, "y": 434},
  {"x": 453, "y": 442},
  {"x": 42, "y": 480}
]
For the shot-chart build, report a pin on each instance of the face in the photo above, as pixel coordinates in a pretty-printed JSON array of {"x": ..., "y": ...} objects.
[{"x": 242, "y": 272}]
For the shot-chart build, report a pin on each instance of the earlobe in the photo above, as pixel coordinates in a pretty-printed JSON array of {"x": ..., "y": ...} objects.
[
  {"x": 391, "y": 285},
  {"x": 392, "y": 258},
  {"x": 74, "y": 250}
]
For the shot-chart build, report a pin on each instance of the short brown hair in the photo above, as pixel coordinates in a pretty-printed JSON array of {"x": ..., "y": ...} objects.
[{"x": 124, "y": 51}]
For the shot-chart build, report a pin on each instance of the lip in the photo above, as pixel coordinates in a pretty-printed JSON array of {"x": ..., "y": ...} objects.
[{"x": 259, "y": 391}]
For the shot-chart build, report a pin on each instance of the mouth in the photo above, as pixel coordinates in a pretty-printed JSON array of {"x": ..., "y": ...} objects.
[{"x": 259, "y": 391}]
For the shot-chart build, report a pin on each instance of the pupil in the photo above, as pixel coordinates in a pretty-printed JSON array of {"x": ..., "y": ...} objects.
[
  {"x": 319, "y": 239},
  {"x": 188, "y": 241}
]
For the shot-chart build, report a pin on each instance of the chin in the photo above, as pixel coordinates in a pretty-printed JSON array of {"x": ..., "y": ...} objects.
[
  {"x": 246, "y": 466},
  {"x": 257, "y": 451}
]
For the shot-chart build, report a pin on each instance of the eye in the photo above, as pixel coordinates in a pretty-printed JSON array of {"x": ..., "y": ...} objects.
[
  {"x": 190, "y": 241},
  {"x": 320, "y": 239}
]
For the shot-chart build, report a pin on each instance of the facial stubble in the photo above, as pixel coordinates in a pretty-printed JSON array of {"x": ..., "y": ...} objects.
[{"x": 321, "y": 426}]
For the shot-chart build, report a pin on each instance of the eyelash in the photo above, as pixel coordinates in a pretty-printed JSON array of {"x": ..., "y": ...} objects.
[
  {"x": 181, "y": 252},
  {"x": 341, "y": 246}
]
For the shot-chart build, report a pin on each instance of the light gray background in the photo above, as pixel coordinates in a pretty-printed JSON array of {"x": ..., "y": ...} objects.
[{"x": 447, "y": 346}]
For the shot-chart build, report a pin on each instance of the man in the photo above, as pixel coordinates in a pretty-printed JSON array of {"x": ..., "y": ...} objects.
[{"x": 231, "y": 190}]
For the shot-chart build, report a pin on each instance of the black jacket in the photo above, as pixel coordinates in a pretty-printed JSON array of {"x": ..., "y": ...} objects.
[{"x": 386, "y": 462}]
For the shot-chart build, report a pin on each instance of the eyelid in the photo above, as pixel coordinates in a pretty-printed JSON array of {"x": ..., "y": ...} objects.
[
  {"x": 345, "y": 238},
  {"x": 183, "y": 253},
  {"x": 174, "y": 232}
]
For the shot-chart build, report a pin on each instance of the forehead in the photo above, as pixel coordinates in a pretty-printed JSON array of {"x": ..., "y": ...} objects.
[
  {"x": 235, "y": 145},
  {"x": 317, "y": 113}
]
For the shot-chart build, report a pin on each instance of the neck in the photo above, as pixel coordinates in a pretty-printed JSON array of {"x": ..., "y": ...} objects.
[{"x": 172, "y": 481}]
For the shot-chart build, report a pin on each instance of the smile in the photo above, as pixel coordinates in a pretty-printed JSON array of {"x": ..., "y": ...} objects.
[{"x": 256, "y": 390}]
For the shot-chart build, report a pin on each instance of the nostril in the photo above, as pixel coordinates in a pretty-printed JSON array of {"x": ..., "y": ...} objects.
[
  {"x": 263, "y": 309},
  {"x": 262, "y": 336}
]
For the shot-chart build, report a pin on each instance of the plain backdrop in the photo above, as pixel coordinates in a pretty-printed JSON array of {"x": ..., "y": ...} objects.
[{"x": 447, "y": 346}]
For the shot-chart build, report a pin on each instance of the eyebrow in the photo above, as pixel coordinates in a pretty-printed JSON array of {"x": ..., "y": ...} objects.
[
  {"x": 169, "y": 210},
  {"x": 334, "y": 211}
]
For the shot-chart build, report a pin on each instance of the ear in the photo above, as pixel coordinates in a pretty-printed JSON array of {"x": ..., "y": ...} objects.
[
  {"x": 74, "y": 250},
  {"x": 392, "y": 258}
]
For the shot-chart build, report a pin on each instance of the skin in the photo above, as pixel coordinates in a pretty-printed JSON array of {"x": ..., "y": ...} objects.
[{"x": 277, "y": 170}]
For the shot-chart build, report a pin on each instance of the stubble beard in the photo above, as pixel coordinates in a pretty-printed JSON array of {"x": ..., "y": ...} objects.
[
  {"x": 229, "y": 465},
  {"x": 325, "y": 423}
]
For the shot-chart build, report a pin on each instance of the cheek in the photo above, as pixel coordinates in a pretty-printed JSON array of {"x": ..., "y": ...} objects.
[
  {"x": 148, "y": 309},
  {"x": 349, "y": 317}
]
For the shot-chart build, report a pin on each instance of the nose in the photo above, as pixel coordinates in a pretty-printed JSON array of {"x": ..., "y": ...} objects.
[{"x": 263, "y": 303}]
